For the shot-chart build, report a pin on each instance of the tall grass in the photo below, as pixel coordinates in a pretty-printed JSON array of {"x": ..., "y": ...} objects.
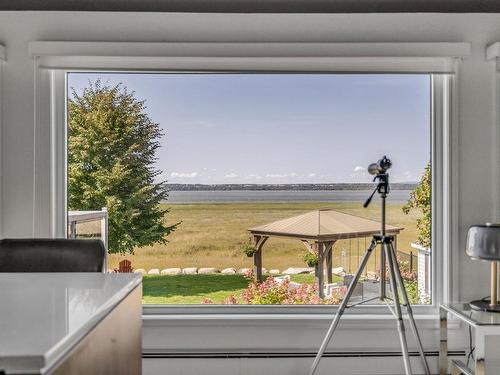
[{"x": 211, "y": 235}]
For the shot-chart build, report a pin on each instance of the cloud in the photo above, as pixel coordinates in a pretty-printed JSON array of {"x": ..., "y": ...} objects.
[
  {"x": 359, "y": 172},
  {"x": 231, "y": 175},
  {"x": 254, "y": 176},
  {"x": 184, "y": 174},
  {"x": 277, "y": 175},
  {"x": 311, "y": 175}
]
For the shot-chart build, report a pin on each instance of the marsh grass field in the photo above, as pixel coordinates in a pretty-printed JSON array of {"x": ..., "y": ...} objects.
[{"x": 212, "y": 234}]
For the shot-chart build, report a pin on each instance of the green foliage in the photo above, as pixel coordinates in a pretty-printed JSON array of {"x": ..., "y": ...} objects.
[
  {"x": 249, "y": 250},
  {"x": 111, "y": 152},
  {"x": 310, "y": 259},
  {"x": 421, "y": 198},
  {"x": 412, "y": 291}
]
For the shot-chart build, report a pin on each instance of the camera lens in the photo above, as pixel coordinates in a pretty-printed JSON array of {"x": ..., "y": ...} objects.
[{"x": 380, "y": 167}]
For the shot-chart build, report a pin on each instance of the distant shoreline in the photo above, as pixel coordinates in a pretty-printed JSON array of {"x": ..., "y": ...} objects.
[
  {"x": 285, "y": 187},
  {"x": 279, "y": 196}
]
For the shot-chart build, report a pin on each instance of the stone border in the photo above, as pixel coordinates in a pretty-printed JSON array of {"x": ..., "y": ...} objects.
[{"x": 339, "y": 271}]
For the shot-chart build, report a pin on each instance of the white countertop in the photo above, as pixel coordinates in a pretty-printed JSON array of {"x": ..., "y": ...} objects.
[{"x": 42, "y": 315}]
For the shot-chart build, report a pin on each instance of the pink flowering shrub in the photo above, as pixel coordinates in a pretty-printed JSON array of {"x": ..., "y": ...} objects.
[
  {"x": 269, "y": 292},
  {"x": 406, "y": 273},
  {"x": 410, "y": 280},
  {"x": 404, "y": 267},
  {"x": 231, "y": 300},
  {"x": 273, "y": 292}
]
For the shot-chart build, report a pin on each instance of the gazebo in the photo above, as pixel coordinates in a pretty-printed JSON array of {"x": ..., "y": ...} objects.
[{"x": 318, "y": 231}]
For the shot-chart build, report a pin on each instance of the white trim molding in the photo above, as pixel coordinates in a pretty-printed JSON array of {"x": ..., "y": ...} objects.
[
  {"x": 49, "y": 129},
  {"x": 493, "y": 55},
  {"x": 249, "y": 49},
  {"x": 346, "y": 57},
  {"x": 3, "y": 58}
]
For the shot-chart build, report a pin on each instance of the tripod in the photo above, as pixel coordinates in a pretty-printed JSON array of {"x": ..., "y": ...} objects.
[{"x": 388, "y": 256}]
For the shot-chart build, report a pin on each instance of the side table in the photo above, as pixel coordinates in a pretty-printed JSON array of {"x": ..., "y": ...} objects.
[{"x": 482, "y": 323}]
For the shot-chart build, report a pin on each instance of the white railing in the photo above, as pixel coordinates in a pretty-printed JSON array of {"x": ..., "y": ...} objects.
[
  {"x": 80, "y": 217},
  {"x": 423, "y": 270}
]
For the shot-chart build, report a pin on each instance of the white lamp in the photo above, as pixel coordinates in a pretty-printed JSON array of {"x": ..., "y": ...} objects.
[{"x": 483, "y": 242}]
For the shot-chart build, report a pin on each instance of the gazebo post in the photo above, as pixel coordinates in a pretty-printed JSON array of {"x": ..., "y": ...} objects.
[
  {"x": 319, "y": 269},
  {"x": 257, "y": 256},
  {"x": 329, "y": 261}
]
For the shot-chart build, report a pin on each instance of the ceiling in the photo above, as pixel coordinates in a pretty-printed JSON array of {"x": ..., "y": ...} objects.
[{"x": 260, "y": 6}]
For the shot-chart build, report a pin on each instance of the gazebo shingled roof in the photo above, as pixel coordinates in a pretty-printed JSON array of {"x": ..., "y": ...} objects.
[{"x": 323, "y": 225}]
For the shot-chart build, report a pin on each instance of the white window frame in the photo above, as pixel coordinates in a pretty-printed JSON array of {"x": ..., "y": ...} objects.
[
  {"x": 493, "y": 55},
  {"x": 3, "y": 57},
  {"x": 52, "y": 60}
]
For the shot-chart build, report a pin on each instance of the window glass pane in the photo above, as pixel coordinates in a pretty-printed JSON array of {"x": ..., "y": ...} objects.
[{"x": 201, "y": 176}]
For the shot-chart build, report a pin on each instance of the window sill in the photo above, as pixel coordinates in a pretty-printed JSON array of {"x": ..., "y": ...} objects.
[
  {"x": 365, "y": 317},
  {"x": 349, "y": 321},
  {"x": 315, "y": 311}
]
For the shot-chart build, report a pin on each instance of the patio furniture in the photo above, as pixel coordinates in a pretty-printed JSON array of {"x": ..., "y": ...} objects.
[{"x": 125, "y": 266}]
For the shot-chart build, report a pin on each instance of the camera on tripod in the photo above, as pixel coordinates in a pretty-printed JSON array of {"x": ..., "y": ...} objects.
[
  {"x": 388, "y": 258},
  {"x": 379, "y": 170},
  {"x": 380, "y": 166}
]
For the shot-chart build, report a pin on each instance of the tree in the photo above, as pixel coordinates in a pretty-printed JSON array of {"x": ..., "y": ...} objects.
[
  {"x": 420, "y": 198},
  {"x": 111, "y": 153}
]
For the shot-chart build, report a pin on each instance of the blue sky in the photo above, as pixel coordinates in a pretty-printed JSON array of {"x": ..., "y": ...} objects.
[{"x": 283, "y": 128}]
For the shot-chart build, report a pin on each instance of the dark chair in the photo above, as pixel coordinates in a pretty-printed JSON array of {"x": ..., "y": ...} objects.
[{"x": 52, "y": 255}]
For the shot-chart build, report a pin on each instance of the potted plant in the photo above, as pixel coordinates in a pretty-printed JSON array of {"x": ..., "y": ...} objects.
[
  {"x": 249, "y": 250},
  {"x": 310, "y": 259}
]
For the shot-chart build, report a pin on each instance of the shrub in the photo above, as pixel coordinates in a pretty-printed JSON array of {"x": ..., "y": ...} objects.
[
  {"x": 420, "y": 198},
  {"x": 410, "y": 281},
  {"x": 268, "y": 292},
  {"x": 406, "y": 272},
  {"x": 412, "y": 291},
  {"x": 273, "y": 292}
]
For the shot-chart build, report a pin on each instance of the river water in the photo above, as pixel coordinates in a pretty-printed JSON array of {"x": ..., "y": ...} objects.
[{"x": 280, "y": 196}]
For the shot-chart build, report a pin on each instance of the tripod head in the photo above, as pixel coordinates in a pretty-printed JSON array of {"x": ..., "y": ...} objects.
[
  {"x": 379, "y": 169},
  {"x": 382, "y": 187}
]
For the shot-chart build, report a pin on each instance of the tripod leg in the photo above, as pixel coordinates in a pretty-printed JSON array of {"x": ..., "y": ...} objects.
[
  {"x": 410, "y": 312},
  {"x": 342, "y": 308},
  {"x": 383, "y": 262},
  {"x": 397, "y": 305}
]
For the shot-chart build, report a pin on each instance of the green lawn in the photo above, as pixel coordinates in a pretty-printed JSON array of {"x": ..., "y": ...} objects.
[{"x": 192, "y": 289}]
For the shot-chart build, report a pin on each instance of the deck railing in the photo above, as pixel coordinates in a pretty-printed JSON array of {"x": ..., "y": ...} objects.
[{"x": 79, "y": 225}]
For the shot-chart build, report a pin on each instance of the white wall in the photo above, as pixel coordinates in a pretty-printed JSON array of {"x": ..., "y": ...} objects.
[{"x": 478, "y": 139}]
